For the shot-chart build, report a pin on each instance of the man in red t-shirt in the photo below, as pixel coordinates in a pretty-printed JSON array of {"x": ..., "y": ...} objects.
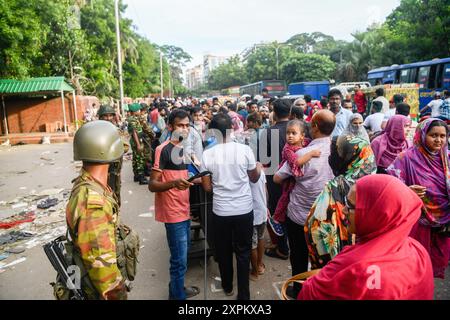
[
  {"x": 360, "y": 100},
  {"x": 169, "y": 182}
]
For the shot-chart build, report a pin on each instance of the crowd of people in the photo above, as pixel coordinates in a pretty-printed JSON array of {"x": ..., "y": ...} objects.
[{"x": 354, "y": 193}]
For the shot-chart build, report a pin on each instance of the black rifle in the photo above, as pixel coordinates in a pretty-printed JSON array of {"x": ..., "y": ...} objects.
[{"x": 55, "y": 253}]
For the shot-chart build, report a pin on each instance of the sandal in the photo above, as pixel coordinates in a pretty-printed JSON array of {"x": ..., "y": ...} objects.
[
  {"x": 274, "y": 253},
  {"x": 253, "y": 277},
  {"x": 191, "y": 291}
]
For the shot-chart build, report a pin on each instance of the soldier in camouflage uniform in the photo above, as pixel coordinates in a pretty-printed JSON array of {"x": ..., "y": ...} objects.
[
  {"x": 108, "y": 113},
  {"x": 137, "y": 145},
  {"x": 92, "y": 213},
  {"x": 147, "y": 137}
]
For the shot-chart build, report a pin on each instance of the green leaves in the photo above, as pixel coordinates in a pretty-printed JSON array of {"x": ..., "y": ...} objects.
[
  {"x": 302, "y": 67},
  {"x": 231, "y": 73},
  {"x": 41, "y": 38}
]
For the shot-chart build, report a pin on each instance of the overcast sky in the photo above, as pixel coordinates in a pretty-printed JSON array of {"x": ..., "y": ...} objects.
[{"x": 227, "y": 27}]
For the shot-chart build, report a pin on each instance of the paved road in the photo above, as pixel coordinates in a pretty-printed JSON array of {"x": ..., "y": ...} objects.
[{"x": 31, "y": 168}]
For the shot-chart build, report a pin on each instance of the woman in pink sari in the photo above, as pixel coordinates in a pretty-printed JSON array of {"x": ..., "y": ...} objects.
[
  {"x": 385, "y": 263},
  {"x": 425, "y": 169},
  {"x": 391, "y": 142}
]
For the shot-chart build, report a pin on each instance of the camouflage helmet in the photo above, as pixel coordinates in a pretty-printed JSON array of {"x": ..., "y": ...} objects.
[
  {"x": 97, "y": 141},
  {"x": 105, "y": 109}
]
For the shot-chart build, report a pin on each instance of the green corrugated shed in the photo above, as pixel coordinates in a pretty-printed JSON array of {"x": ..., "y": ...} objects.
[{"x": 34, "y": 85}]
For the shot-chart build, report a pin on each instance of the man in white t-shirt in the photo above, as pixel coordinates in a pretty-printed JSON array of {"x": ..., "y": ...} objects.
[
  {"x": 380, "y": 97},
  {"x": 233, "y": 167},
  {"x": 434, "y": 105},
  {"x": 373, "y": 122},
  {"x": 396, "y": 99}
]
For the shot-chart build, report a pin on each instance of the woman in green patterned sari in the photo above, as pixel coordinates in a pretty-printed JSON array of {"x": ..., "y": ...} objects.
[{"x": 326, "y": 226}]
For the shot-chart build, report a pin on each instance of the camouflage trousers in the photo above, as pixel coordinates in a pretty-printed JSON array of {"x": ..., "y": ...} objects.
[
  {"x": 147, "y": 158},
  {"x": 138, "y": 162}
]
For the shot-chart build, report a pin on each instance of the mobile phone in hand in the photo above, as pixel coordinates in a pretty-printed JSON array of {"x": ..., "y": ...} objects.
[{"x": 199, "y": 175}]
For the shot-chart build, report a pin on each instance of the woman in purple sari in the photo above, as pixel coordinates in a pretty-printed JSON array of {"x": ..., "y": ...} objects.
[
  {"x": 391, "y": 142},
  {"x": 425, "y": 169}
]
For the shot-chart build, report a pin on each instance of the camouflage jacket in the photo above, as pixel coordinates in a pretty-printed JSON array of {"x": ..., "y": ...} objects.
[
  {"x": 134, "y": 124},
  {"x": 92, "y": 219},
  {"x": 148, "y": 132}
]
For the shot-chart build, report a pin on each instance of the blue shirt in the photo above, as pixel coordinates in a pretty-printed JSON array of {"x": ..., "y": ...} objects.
[{"x": 342, "y": 120}]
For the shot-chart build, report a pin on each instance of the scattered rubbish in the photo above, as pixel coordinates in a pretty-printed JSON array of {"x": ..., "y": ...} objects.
[
  {"x": 153, "y": 272},
  {"x": 45, "y": 140},
  {"x": 14, "y": 236},
  {"x": 141, "y": 247},
  {"x": 47, "y": 203},
  {"x": 146, "y": 215},
  {"x": 2, "y": 203},
  {"x": 6, "y": 143},
  {"x": 152, "y": 208},
  {"x": 19, "y": 205},
  {"x": 17, "y": 219},
  {"x": 3, "y": 256},
  {"x": 47, "y": 159},
  {"x": 23, "y": 188},
  {"x": 21, "y": 172},
  {"x": 12, "y": 263},
  {"x": 130, "y": 192},
  {"x": 15, "y": 250},
  {"x": 45, "y": 152},
  {"x": 20, "y": 143},
  {"x": 125, "y": 202}
]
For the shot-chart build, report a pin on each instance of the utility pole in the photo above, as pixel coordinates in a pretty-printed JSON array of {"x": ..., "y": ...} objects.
[
  {"x": 161, "y": 71},
  {"x": 170, "y": 84},
  {"x": 276, "y": 52},
  {"x": 119, "y": 57}
]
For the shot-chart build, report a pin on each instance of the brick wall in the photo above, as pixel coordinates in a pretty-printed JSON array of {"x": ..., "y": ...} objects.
[{"x": 36, "y": 114}]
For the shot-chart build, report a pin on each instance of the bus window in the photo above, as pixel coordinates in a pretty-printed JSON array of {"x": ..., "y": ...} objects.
[
  {"x": 423, "y": 77},
  {"x": 413, "y": 77},
  {"x": 405, "y": 75},
  {"x": 432, "y": 77},
  {"x": 439, "y": 75},
  {"x": 446, "y": 76},
  {"x": 389, "y": 77}
]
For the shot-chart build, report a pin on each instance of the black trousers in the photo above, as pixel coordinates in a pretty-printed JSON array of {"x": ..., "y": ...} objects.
[
  {"x": 299, "y": 250},
  {"x": 234, "y": 234}
]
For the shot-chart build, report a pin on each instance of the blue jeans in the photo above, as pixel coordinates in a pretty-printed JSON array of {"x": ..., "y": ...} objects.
[{"x": 178, "y": 237}]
